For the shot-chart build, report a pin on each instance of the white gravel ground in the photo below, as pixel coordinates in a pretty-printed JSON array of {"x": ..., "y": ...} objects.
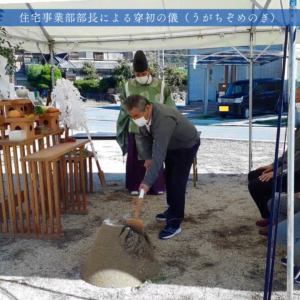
[{"x": 218, "y": 255}]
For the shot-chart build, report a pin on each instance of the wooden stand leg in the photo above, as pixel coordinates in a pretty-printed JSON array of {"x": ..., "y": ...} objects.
[
  {"x": 10, "y": 190},
  {"x": 71, "y": 178},
  {"x": 3, "y": 216},
  {"x": 85, "y": 175},
  {"x": 62, "y": 185},
  {"x": 77, "y": 184},
  {"x": 76, "y": 177},
  {"x": 2, "y": 130},
  {"x": 26, "y": 192},
  {"x": 42, "y": 196},
  {"x": 41, "y": 147},
  {"x": 56, "y": 197},
  {"x": 65, "y": 182},
  {"x": 50, "y": 195},
  {"x": 35, "y": 200},
  {"x": 18, "y": 185},
  {"x": 67, "y": 139},
  {"x": 91, "y": 174},
  {"x": 31, "y": 188},
  {"x": 48, "y": 141},
  {"x": 82, "y": 178}
]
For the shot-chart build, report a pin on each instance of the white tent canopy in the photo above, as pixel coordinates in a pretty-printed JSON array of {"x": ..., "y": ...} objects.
[{"x": 110, "y": 39}]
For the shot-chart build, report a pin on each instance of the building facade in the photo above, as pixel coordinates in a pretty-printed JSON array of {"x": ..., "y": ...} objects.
[
  {"x": 103, "y": 62},
  {"x": 70, "y": 66}
]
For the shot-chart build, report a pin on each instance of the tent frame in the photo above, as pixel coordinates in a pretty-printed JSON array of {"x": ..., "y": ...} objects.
[{"x": 291, "y": 148}]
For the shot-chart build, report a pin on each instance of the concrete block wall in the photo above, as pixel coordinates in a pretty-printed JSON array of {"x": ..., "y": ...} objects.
[{"x": 196, "y": 77}]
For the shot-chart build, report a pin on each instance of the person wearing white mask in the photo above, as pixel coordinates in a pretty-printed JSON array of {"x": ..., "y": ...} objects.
[
  {"x": 166, "y": 136},
  {"x": 154, "y": 90}
]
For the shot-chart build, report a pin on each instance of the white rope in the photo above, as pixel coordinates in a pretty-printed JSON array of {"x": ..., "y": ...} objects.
[{"x": 72, "y": 109}]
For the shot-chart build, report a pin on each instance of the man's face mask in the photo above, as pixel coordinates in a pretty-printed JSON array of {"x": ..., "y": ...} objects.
[
  {"x": 140, "y": 121},
  {"x": 143, "y": 77},
  {"x": 139, "y": 118},
  {"x": 142, "y": 80}
]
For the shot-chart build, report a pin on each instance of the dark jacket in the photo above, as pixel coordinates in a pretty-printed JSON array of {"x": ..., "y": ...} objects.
[
  {"x": 169, "y": 130},
  {"x": 282, "y": 161}
]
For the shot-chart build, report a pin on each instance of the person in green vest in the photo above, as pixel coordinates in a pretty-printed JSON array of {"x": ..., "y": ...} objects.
[{"x": 155, "y": 90}]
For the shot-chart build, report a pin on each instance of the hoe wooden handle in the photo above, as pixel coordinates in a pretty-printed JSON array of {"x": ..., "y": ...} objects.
[{"x": 138, "y": 206}]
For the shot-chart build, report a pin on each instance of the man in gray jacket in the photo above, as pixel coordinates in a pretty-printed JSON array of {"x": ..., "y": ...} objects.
[{"x": 166, "y": 136}]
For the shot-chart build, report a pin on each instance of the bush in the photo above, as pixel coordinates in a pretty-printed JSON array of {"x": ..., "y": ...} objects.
[
  {"x": 43, "y": 86},
  {"x": 175, "y": 77},
  {"x": 87, "y": 86},
  {"x": 34, "y": 74},
  {"x": 185, "y": 79},
  {"x": 123, "y": 71},
  {"x": 107, "y": 83}
]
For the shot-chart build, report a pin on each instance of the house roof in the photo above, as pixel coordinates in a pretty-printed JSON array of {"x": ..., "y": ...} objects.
[{"x": 78, "y": 64}]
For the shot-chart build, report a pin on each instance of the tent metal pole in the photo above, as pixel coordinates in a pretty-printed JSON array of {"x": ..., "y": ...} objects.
[
  {"x": 38, "y": 46},
  {"x": 12, "y": 76},
  {"x": 291, "y": 149},
  {"x": 206, "y": 90},
  {"x": 163, "y": 64},
  {"x": 52, "y": 66},
  {"x": 250, "y": 99},
  {"x": 68, "y": 54}
]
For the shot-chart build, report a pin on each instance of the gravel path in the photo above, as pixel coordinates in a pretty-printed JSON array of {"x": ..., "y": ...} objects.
[{"x": 218, "y": 255}]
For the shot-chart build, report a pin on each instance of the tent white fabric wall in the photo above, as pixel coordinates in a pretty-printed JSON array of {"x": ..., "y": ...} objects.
[{"x": 139, "y": 37}]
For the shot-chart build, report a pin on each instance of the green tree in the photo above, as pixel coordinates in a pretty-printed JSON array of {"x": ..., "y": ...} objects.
[
  {"x": 154, "y": 66},
  {"x": 46, "y": 82},
  {"x": 185, "y": 77},
  {"x": 175, "y": 77},
  {"x": 8, "y": 51},
  {"x": 34, "y": 74},
  {"x": 176, "y": 58},
  {"x": 88, "y": 71},
  {"x": 123, "y": 71}
]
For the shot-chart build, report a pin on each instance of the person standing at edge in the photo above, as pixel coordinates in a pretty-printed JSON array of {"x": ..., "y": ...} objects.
[
  {"x": 154, "y": 90},
  {"x": 166, "y": 136}
]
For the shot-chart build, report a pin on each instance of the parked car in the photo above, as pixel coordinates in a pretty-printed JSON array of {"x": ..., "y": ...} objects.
[{"x": 235, "y": 102}]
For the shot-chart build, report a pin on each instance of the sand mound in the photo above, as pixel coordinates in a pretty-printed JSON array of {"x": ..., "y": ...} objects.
[{"x": 119, "y": 261}]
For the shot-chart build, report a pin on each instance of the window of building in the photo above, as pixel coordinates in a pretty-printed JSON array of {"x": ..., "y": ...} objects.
[
  {"x": 114, "y": 56},
  {"x": 74, "y": 55},
  {"x": 211, "y": 74},
  {"x": 98, "y": 56},
  {"x": 82, "y": 54},
  {"x": 35, "y": 60},
  {"x": 27, "y": 60},
  {"x": 89, "y": 55}
]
